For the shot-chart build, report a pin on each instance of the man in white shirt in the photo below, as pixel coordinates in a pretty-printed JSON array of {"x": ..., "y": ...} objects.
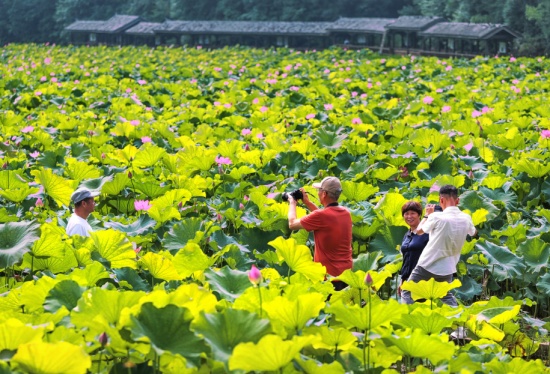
[
  {"x": 84, "y": 204},
  {"x": 448, "y": 231}
]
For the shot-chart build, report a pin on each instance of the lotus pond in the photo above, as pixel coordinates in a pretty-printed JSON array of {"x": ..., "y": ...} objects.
[{"x": 191, "y": 150}]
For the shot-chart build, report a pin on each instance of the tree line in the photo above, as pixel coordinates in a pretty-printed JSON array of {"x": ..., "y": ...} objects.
[{"x": 24, "y": 21}]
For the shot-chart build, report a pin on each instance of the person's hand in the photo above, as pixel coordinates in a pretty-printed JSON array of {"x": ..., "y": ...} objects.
[
  {"x": 430, "y": 208},
  {"x": 305, "y": 197},
  {"x": 291, "y": 200}
]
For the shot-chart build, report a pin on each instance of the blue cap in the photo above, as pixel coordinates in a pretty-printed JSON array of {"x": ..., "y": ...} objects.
[{"x": 81, "y": 194}]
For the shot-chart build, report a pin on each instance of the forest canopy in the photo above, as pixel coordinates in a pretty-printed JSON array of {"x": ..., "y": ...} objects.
[{"x": 23, "y": 21}]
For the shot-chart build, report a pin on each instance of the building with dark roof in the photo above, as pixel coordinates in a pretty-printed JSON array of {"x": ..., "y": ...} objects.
[
  {"x": 468, "y": 38},
  {"x": 101, "y": 32},
  {"x": 403, "y": 35},
  {"x": 359, "y": 32}
]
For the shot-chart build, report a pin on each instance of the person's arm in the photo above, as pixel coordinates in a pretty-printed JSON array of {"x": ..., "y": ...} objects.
[
  {"x": 293, "y": 222},
  {"x": 429, "y": 210}
]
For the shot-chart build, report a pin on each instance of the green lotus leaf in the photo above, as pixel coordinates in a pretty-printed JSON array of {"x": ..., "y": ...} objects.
[
  {"x": 535, "y": 253},
  {"x": 116, "y": 185},
  {"x": 32, "y": 296},
  {"x": 99, "y": 308},
  {"x": 294, "y": 314},
  {"x": 271, "y": 353},
  {"x": 167, "y": 329},
  {"x": 470, "y": 288},
  {"x": 365, "y": 231},
  {"x": 96, "y": 184},
  {"x": 533, "y": 168},
  {"x": 384, "y": 174},
  {"x": 55, "y": 186},
  {"x": 50, "y": 244},
  {"x": 114, "y": 248},
  {"x": 129, "y": 278},
  {"x": 17, "y": 195},
  {"x": 89, "y": 275},
  {"x": 55, "y": 265},
  {"x": 14, "y": 333},
  {"x": 514, "y": 235},
  {"x": 387, "y": 241},
  {"x": 250, "y": 299},
  {"x": 472, "y": 201},
  {"x": 314, "y": 367},
  {"x": 148, "y": 157},
  {"x": 12, "y": 179},
  {"x": 499, "y": 316},
  {"x": 358, "y": 191},
  {"x": 298, "y": 258},
  {"x": 427, "y": 320},
  {"x": 484, "y": 329},
  {"x": 227, "y": 283},
  {"x": 224, "y": 331},
  {"x": 390, "y": 208},
  {"x": 430, "y": 289},
  {"x": 503, "y": 263},
  {"x": 60, "y": 357},
  {"x": 375, "y": 313},
  {"x": 190, "y": 259},
  {"x": 6, "y": 216},
  {"x": 183, "y": 232},
  {"x": 80, "y": 170},
  {"x": 332, "y": 338},
  {"x": 159, "y": 266},
  {"x": 440, "y": 165},
  {"x": 330, "y": 139},
  {"x": 163, "y": 208},
  {"x": 463, "y": 362},
  {"x": 286, "y": 163},
  {"x": 516, "y": 365},
  {"x": 240, "y": 172},
  {"x": 418, "y": 344},
  {"x": 150, "y": 188},
  {"x": 16, "y": 238},
  {"x": 356, "y": 279},
  {"x": 66, "y": 293},
  {"x": 367, "y": 261},
  {"x": 141, "y": 226}
]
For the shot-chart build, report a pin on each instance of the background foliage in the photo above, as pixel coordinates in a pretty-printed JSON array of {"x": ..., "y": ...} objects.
[{"x": 43, "y": 21}]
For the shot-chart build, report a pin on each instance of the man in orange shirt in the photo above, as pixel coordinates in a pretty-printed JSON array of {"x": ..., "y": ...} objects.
[{"x": 331, "y": 227}]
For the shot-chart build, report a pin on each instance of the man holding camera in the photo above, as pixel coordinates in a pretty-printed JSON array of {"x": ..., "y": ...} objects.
[
  {"x": 448, "y": 230},
  {"x": 331, "y": 227}
]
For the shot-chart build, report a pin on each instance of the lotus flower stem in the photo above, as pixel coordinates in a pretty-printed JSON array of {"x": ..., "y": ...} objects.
[
  {"x": 260, "y": 293},
  {"x": 99, "y": 362}
]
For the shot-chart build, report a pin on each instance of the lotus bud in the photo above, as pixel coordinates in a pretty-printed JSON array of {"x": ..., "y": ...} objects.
[
  {"x": 219, "y": 217},
  {"x": 103, "y": 339},
  {"x": 246, "y": 147},
  {"x": 39, "y": 202},
  {"x": 255, "y": 275},
  {"x": 180, "y": 205},
  {"x": 471, "y": 174},
  {"x": 5, "y": 166},
  {"x": 130, "y": 175},
  {"x": 241, "y": 206},
  {"x": 368, "y": 280},
  {"x": 103, "y": 155}
]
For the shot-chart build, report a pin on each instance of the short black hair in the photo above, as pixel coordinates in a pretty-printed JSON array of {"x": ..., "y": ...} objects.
[
  {"x": 411, "y": 205},
  {"x": 448, "y": 191},
  {"x": 80, "y": 202}
]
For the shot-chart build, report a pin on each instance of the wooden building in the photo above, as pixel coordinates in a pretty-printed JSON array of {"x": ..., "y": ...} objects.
[
  {"x": 248, "y": 33},
  {"x": 110, "y": 32},
  {"x": 143, "y": 34},
  {"x": 468, "y": 39},
  {"x": 406, "y": 34},
  {"x": 359, "y": 32},
  {"x": 403, "y": 34}
]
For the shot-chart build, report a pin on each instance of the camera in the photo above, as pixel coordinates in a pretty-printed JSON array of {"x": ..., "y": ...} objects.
[
  {"x": 438, "y": 208},
  {"x": 296, "y": 195}
]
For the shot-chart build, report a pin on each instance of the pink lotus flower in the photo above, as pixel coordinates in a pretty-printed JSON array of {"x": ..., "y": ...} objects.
[
  {"x": 545, "y": 134},
  {"x": 35, "y": 154},
  {"x": 141, "y": 82},
  {"x": 310, "y": 116},
  {"x": 368, "y": 280},
  {"x": 260, "y": 135},
  {"x": 486, "y": 109},
  {"x": 134, "y": 122},
  {"x": 223, "y": 160},
  {"x": 512, "y": 59},
  {"x": 434, "y": 188},
  {"x": 356, "y": 121},
  {"x": 38, "y": 93},
  {"x": 328, "y": 107},
  {"x": 264, "y": 109},
  {"x": 245, "y": 132},
  {"x": 142, "y": 205},
  {"x": 39, "y": 202},
  {"x": 47, "y": 61},
  {"x": 428, "y": 100},
  {"x": 254, "y": 275},
  {"x": 145, "y": 139},
  {"x": 445, "y": 109},
  {"x": 468, "y": 147},
  {"x": 476, "y": 114},
  {"x": 27, "y": 129},
  {"x": 43, "y": 79},
  {"x": 294, "y": 88},
  {"x": 103, "y": 339}
]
